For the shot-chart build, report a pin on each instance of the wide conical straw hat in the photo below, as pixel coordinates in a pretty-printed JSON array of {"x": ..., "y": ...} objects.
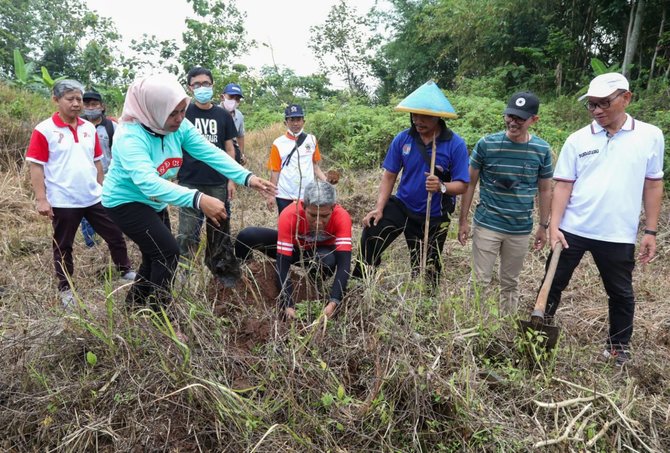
[{"x": 428, "y": 99}]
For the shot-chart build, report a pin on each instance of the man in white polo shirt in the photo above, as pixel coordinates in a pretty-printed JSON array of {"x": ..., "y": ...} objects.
[
  {"x": 64, "y": 155},
  {"x": 606, "y": 172}
]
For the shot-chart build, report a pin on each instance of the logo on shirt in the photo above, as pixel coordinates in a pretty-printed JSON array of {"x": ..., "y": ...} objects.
[
  {"x": 308, "y": 147},
  {"x": 173, "y": 162},
  {"x": 589, "y": 152},
  {"x": 406, "y": 149}
]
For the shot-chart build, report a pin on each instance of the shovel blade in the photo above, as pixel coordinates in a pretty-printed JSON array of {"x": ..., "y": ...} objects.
[{"x": 547, "y": 335}]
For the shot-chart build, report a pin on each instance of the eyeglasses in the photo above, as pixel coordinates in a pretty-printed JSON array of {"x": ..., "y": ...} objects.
[
  {"x": 515, "y": 119},
  {"x": 197, "y": 85},
  {"x": 604, "y": 104}
]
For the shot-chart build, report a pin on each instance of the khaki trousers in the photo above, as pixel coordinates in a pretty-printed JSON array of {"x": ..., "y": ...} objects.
[{"x": 512, "y": 248}]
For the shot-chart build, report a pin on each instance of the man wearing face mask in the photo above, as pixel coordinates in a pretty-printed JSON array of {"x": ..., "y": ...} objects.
[
  {"x": 94, "y": 111},
  {"x": 231, "y": 98},
  {"x": 294, "y": 160},
  {"x": 217, "y": 126},
  {"x": 513, "y": 166}
]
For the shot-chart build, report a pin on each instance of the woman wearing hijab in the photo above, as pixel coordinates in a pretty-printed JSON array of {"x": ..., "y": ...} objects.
[{"x": 137, "y": 191}]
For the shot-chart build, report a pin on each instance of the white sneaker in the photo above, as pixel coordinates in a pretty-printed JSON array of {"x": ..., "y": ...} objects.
[
  {"x": 130, "y": 276},
  {"x": 67, "y": 299}
]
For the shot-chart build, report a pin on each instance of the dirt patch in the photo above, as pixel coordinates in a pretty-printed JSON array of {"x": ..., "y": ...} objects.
[
  {"x": 251, "y": 304},
  {"x": 358, "y": 205}
]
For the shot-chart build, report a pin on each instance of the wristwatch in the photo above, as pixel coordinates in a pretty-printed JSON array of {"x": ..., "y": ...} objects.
[{"x": 443, "y": 187}]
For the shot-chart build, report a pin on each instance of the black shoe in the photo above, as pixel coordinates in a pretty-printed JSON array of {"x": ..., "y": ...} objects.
[{"x": 619, "y": 355}]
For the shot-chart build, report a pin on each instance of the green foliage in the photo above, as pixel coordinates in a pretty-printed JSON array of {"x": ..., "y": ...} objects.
[
  {"x": 26, "y": 79},
  {"x": 356, "y": 135},
  {"x": 546, "y": 46},
  {"x": 342, "y": 45},
  {"x": 215, "y": 36}
]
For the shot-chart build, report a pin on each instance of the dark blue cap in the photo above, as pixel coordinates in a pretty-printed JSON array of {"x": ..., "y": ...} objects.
[
  {"x": 293, "y": 111},
  {"x": 233, "y": 88}
]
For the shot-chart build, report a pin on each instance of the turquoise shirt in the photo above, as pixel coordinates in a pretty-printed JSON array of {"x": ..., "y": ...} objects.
[
  {"x": 145, "y": 162},
  {"x": 508, "y": 175}
]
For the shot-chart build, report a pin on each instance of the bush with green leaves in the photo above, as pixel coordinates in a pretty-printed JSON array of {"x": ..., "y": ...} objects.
[{"x": 356, "y": 135}]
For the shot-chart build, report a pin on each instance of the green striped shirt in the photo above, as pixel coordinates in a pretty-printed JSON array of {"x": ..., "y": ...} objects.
[{"x": 508, "y": 176}]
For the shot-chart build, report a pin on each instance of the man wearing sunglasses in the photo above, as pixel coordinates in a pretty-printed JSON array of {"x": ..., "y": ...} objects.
[
  {"x": 511, "y": 165},
  {"x": 606, "y": 172}
]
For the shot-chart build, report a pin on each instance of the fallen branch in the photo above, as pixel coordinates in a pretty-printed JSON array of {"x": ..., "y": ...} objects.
[
  {"x": 626, "y": 421},
  {"x": 566, "y": 403},
  {"x": 600, "y": 433},
  {"x": 566, "y": 433}
]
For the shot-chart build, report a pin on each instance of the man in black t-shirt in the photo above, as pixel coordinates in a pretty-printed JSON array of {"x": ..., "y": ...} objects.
[{"x": 217, "y": 126}]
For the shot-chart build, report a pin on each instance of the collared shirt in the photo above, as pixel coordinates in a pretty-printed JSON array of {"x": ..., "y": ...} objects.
[
  {"x": 293, "y": 230},
  {"x": 404, "y": 154},
  {"x": 508, "y": 175},
  {"x": 68, "y": 156},
  {"x": 297, "y": 172},
  {"x": 608, "y": 172}
]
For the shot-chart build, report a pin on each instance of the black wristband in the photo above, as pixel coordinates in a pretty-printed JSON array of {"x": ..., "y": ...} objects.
[
  {"x": 650, "y": 232},
  {"x": 545, "y": 225}
]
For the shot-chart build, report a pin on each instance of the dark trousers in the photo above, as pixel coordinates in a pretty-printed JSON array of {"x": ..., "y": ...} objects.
[
  {"x": 615, "y": 262},
  {"x": 219, "y": 256},
  {"x": 65, "y": 224},
  {"x": 396, "y": 220},
  {"x": 265, "y": 240},
  {"x": 282, "y": 203},
  {"x": 150, "y": 230}
]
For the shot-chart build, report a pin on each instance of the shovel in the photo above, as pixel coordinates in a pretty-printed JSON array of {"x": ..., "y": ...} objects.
[{"x": 547, "y": 335}]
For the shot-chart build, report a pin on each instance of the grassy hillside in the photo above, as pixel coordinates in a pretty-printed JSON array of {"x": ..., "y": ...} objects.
[{"x": 397, "y": 370}]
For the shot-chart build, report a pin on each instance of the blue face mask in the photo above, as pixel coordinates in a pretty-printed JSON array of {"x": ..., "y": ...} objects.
[{"x": 203, "y": 94}]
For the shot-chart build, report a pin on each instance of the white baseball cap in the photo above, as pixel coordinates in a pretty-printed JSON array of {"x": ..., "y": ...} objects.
[{"x": 606, "y": 84}]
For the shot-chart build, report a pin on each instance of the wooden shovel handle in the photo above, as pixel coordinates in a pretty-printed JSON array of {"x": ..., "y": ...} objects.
[{"x": 541, "y": 302}]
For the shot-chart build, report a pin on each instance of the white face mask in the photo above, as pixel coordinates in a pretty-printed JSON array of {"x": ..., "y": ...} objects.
[
  {"x": 295, "y": 134},
  {"x": 230, "y": 104}
]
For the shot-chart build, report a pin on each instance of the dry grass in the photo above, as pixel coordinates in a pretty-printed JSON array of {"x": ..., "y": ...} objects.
[{"x": 396, "y": 371}]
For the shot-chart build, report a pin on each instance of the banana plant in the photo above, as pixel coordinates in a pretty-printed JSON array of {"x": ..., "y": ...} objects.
[{"x": 25, "y": 77}]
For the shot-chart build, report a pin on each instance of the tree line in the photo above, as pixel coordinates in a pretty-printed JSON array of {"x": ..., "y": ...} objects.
[{"x": 486, "y": 45}]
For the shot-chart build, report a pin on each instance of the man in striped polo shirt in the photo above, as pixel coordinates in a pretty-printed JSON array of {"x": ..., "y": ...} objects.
[{"x": 511, "y": 165}]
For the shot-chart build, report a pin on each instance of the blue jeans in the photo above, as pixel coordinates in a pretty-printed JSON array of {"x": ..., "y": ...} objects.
[{"x": 88, "y": 232}]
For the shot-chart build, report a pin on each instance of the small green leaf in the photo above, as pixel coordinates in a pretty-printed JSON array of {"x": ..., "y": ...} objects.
[
  {"x": 327, "y": 400},
  {"x": 340, "y": 393},
  {"x": 91, "y": 358}
]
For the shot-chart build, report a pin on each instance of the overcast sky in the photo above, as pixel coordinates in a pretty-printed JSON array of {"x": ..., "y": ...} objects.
[{"x": 282, "y": 24}]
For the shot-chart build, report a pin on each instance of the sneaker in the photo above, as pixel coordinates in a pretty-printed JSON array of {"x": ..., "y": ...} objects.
[
  {"x": 619, "y": 356},
  {"x": 129, "y": 276},
  {"x": 67, "y": 299}
]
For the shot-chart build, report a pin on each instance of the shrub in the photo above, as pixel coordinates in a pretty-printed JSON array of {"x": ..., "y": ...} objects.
[{"x": 20, "y": 111}]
